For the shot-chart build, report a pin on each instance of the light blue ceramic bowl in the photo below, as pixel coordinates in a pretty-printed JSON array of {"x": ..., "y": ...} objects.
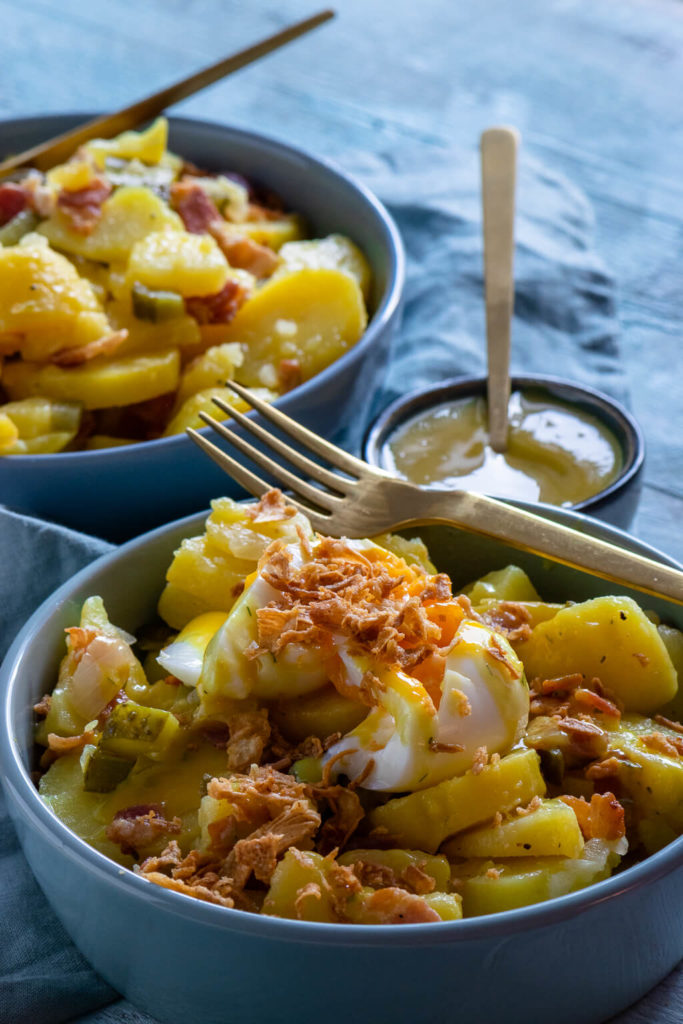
[
  {"x": 576, "y": 960},
  {"x": 120, "y": 492}
]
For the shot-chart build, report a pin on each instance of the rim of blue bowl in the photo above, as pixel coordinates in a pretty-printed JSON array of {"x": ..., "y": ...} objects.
[
  {"x": 616, "y": 417},
  {"x": 381, "y": 316},
  {"x": 17, "y": 779}
]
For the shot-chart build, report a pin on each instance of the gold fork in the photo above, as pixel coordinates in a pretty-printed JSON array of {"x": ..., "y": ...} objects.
[{"x": 358, "y": 500}]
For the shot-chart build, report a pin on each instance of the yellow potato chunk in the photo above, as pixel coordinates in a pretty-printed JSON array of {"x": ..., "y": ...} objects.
[
  {"x": 148, "y": 146},
  {"x": 45, "y": 302},
  {"x": 552, "y": 830},
  {"x": 177, "y": 261},
  {"x": 273, "y": 233},
  {"x": 210, "y": 370},
  {"x": 317, "y": 714},
  {"x": 188, "y": 414},
  {"x": 73, "y": 176},
  {"x": 424, "y": 819},
  {"x": 491, "y": 886},
  {"x": 651, "y": 775},
  {"x": 610, "y": 638},
  {"x": 130, "y": 214},
  {"x": 508, "y": 584},
  {"x": 673, "y": 641},
  {"x": 99, "y": 384},
  {"x": 400, "y": 860},
  {"x": 313, "y": 316},
  {"x": 145, "y": 336},
  {"x": 207, "y": 572},
  {"x": 336, "y": 252},
  {"x": 9, "y": 434}
]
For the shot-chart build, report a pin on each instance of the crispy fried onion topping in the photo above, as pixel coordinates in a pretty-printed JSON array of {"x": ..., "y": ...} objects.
[
  {"x": 270, "y": 813},
  {"x": 348, "y": 593}
]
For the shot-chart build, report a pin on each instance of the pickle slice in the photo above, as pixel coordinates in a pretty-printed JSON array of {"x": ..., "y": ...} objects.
[
  {"x": 104, "y": 771},
  {"x": 154, "y": 306},
  {"x": 132, "y": 730}
]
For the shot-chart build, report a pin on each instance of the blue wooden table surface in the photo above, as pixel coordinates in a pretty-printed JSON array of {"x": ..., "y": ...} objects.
[{"x": 594, "y": 86}]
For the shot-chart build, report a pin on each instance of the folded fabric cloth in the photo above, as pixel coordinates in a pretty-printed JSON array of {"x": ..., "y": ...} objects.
[{"x": 565, "y": 317}]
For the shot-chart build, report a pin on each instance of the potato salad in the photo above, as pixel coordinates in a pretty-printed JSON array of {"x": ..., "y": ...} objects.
[
  {"x": 319, "y": 729},
  {"x": 133, "y": 285}
]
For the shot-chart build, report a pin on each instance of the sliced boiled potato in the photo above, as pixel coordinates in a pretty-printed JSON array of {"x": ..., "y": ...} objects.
[
  {"x": 210, "y": 370},
  {"x": 45, "y": 303},
  {"x": 423, "y": 820},
  {"x": 207, "y": 572},
  {"x": 312, "y": 316},
  {"x": 552, "y": 830},
  {"x": 99, "y": 384},
  {"x": 188, "y": 414},
  {"x": 492, "y": 886},
  {"x": 336, "y": 252},
  {"x": 149, "y": 145},
  {"x": 9, "y": 433},
  {"x": 317, "y": 714},
  {"x": 274, "y": 233},
  {"x": 508, "y": 584},
  {"x": 130, "y": 214},
  {"x": 609, "y": 638},
  {"x": 180, "y": 262},
  {"x": 44, "y": 444}
]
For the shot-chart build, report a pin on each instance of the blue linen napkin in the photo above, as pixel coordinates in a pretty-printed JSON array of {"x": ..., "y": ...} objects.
[{"x": 565, "y": 318}]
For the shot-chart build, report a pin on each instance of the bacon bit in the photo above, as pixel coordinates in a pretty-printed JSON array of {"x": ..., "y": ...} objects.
[
  {"x": 396, "y": 906},
  {"x": 133, "y": 828},
  {"x": 43, "y": 706},
  {"x": 309, "y": 891},
  {"x": 602, "y": 818},
  {"x": 13, "y": 200},
  {"x": 642, "y": 658},
  {"x": 493, "y": 873},
  {"x": 597, "y": 703},
  {"x": 271, "y": 508},
  {"x": 249, "y": 734},
  {"x": 83, "y": 206},
  {"x": 562, "y": 684},
  {"x": 580, "y": 730},
  {"x": 219, "y": 308},
  {"x": 668, "y": 723},
  {"x": 196, "y": 209},
  {"x": 481, "y": 759},
  {"x": 532, "y": 806},
  {"x": 84, "y": 353},
  {"x": 511, "y": 619},
  {"x": 242, "y": 251},
  {"x": 671, "y": 746},
  {"x": 289, "y": 375}
]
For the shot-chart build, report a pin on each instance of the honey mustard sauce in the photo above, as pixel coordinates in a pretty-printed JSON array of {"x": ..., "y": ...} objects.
[{"x": 557, "y": 453}]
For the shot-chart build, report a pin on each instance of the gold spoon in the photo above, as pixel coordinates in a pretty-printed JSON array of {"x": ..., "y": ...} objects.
[
  {"x": 59, "y": 149},
  {"x": 498, "y": 147}
]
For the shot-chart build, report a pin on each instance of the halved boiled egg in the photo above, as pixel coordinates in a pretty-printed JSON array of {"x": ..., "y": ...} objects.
[{"x": 184, "y": 656}]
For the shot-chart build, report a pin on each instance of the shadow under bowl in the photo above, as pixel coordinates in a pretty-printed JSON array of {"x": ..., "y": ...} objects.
[
  {"x": 615, "y": 504},
  {"x": 117, "y": 493},
  {"x": 181, "y": 959}
]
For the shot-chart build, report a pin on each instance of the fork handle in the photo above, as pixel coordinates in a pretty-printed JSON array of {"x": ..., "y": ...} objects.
[{"x": 539, "y": 536}]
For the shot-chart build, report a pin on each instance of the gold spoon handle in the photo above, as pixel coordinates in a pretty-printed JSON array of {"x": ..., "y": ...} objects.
[
  {"x": 498, "y": 172},
  {"x": 59, "y": 149}
]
